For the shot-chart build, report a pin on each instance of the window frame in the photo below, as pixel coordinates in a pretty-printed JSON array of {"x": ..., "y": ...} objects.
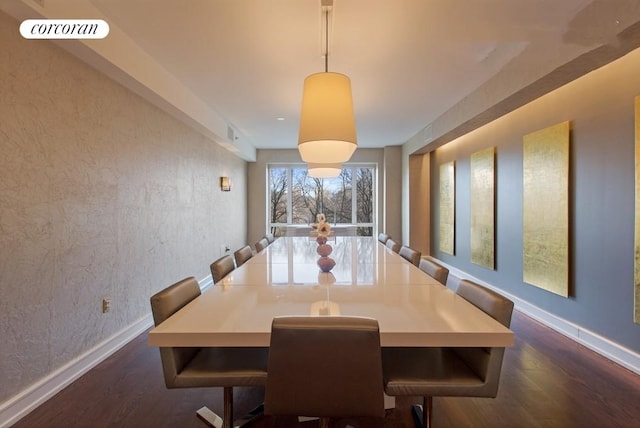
[{"x": 290, "y": 166}]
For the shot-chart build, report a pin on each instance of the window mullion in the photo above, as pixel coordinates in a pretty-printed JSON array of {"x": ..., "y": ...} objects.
[
  {"x": 290, "y": 195},
  {"x": 354, "y": 196}
]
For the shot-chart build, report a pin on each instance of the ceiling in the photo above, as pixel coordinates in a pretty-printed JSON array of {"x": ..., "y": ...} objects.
[{"x": 410, "y": 61}]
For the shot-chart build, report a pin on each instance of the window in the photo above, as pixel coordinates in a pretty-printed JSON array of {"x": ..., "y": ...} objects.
[{"x": 296, "y": 198}]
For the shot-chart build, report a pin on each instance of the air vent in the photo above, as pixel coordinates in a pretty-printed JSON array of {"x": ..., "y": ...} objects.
[{"x": 231, "y": 134}]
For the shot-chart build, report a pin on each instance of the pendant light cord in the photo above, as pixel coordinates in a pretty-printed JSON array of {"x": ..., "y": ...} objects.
[{"x": 326, "y": 40}]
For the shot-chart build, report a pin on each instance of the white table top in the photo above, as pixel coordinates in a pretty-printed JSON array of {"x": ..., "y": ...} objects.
[{"x": 411, "y": 307}]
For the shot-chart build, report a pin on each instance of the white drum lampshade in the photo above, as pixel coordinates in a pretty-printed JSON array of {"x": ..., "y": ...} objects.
[
  {"x": 327, "y": 132},
  {"x": 324, "y": 170}
]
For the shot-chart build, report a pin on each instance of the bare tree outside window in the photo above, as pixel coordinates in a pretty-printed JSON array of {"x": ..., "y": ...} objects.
[
  {"x": 278, "y": 195},
  {"x": 331, "y": 196},
  {"x": 339, "y": 205},
  {"x": 364, "y": 199},
  {"x": 308, "y": 194}
]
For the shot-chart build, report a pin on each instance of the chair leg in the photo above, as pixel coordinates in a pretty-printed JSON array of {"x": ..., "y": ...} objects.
[
  {"x": 227, "y": 421},
  {"x": 422, "y": 414},
  {"x": 324, "y": 422},
  {"x": 427, "y": 407}
]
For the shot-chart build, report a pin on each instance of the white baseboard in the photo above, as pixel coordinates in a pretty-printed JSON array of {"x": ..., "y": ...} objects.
[
  {"x": 615, "y": 352},
  {"x": 18, "y": 406},
  {"x": 206, "y": 282}
]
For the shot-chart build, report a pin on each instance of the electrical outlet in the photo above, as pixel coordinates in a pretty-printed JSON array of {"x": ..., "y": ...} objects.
[{"x": 106, "y": 305}]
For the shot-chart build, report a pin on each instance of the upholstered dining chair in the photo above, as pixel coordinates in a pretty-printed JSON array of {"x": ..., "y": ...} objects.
[
  {"x": 270, "y": 237},
  {"x": 449, "y": 372},
  {"x": 393, "y": 245},
  {"x": 242, "y": 255},
  {"x": 434, "y": 270},
  {"x": 326, "y": 366},
  {"x": 261, "y": 244},
  {"x": 206, "y": 367},
  {"x": 410, "y": 254},
  {"x": 383, "y": 237},
  {"x": 221, "y": 268}
]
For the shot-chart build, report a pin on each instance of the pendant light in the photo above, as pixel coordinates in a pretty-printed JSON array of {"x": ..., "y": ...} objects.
[
  {"x": 327, "y": 132},
  {"x": 324, "y": 170}
]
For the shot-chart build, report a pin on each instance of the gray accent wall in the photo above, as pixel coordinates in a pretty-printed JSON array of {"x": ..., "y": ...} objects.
[
  {"x": 102, "y": 195},
  {"x": 600, "y": 106}
]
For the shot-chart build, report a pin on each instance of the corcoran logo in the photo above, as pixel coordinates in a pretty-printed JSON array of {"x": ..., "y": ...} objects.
[{"x": 64, "y": 29}]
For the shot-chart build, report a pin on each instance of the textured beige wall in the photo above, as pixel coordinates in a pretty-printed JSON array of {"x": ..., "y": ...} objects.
[{"x": 102, "y": 195}]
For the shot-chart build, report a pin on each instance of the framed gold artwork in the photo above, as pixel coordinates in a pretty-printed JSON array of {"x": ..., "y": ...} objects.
[
  {"x": 482, "y": 239},
  {"x": 546, "y": 209},
  {"x": 447, "y": 207}
]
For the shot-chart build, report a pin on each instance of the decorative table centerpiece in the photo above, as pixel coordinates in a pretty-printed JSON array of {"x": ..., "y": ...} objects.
[{"x": 325, "y": 263}]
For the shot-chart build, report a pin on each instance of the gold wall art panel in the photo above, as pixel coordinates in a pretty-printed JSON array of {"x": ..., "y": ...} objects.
[
  {"x": 546, "y": 209},
  {"x": 482, "y": 208},
  {"x": 636, "y": 313},
  {"x": 447, "y": 207}
]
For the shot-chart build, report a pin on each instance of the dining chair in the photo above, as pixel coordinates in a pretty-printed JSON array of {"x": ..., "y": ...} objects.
[
  {"x": 205, "y": 367},
  {"x": 410, "y": 254},
  {"x": 393, "y": 245},
  {"x": 326, "y": 367},
  {"x": 449, "y": 372},
  {"x": 242, "y": 255},
  {"x": 221, "y": 268},
  {"x": 261, "y": 244},
  {"x": 270, "y": 237},
  {"x": 434, "y": 270},
  {"x": 383, "y": 237}
]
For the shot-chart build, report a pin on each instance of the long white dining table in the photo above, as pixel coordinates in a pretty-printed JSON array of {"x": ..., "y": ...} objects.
[{"x": 368, "y": 280}]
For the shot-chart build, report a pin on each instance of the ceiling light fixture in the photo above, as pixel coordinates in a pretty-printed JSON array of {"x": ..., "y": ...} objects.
[
  {"x": 327, "y": 126},
  {"x": 324, "y": 170}
]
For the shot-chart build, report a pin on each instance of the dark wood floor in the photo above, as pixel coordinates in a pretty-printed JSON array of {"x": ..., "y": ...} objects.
[{"x": 547, "y": 381}]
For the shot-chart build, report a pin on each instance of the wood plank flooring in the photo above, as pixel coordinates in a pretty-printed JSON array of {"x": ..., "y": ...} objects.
[{"x": 547, "y": 381}]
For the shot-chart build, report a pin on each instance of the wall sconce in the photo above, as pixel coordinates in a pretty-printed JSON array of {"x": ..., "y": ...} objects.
[{"x": 225, "y": 184}]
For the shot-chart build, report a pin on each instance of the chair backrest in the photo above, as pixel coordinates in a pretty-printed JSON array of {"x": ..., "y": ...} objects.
[
  {"x": 261, "y": 244},
  {"x": 326, "y": 366},
  {"x": 435, "y": 270},
  {"x": 485, "y": 362},
  {"x": 496, "y": 305},
  {"x": 164, "y": 304},
  {"x": 242, "y": 255},
  {"x": 221, "y": 267},
  {"x": 270, "y": 237},
  {"x": 383, "y": 237},
  {"x": 393, "y": 245},
  {"x": 410, "y": 254}
]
